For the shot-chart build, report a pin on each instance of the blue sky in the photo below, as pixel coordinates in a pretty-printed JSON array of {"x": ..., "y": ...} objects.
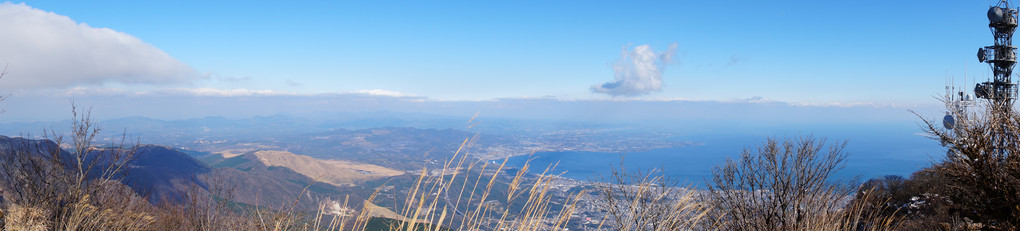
[{"x": 813, "y": 52}]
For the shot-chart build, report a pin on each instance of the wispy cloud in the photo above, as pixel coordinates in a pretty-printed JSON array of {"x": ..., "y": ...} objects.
[
  {"x": 734, "y": 60},
  {"x": 225, "y": 78},
  {"x": 82, "y": 91},
  {"x": 855, "y": 104},
  {"x": 380, "y": 92},
  {"x": 759, "y": 99},
  {"x": 220, "y": 92},
  {"x": 44, "y": 49},
  {"x": 637, "y": 72}
]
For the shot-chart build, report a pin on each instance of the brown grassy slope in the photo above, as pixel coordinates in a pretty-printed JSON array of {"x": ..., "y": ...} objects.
[
  {"x": 376, "y": 211},
  {"x": 335, "y": 172}
]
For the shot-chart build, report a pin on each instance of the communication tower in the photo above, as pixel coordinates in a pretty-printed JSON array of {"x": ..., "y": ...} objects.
[
  {"x": 1001, "y": 91},
  {"x": 957, "y": 103}
]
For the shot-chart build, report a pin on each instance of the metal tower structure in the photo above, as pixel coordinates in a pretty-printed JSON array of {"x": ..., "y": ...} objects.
[
  {"x": 1001, "y": 91},
  {"x": 957, "y": 104}
]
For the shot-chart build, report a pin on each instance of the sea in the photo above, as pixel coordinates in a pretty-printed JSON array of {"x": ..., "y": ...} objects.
[{"x": 872, "y": 151}]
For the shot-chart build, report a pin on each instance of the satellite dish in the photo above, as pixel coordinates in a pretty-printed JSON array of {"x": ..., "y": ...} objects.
[
  {"x": 981, "y": 91},
  {"x": 996, "y": 14},
  {"x": 980, "y": 54},
  {"x": 948, "y": 121}
]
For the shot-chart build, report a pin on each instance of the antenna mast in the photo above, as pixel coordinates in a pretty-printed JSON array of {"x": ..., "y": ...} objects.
[{"x": 1001, "y": 57}]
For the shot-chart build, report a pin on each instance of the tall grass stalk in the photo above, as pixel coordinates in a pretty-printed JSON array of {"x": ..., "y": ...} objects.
[{"x": 455, "y": 197}]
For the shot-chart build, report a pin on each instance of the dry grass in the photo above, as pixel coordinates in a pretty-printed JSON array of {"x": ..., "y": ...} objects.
[
  {"x": 648, "y": 201},
  {"x": 26, "y": 218},
  {"x": 438, "y": 199}
]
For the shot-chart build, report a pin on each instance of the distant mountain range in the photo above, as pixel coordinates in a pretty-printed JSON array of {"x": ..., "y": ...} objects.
[{"x": 264, "y": 178}]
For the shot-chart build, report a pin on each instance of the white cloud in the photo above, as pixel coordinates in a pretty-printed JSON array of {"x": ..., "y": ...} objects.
[
  {"x": 759, "y": 99},
  {"x": 852, "y": 104},
  {"x": 44, "y": 49},
  {"x": 220, "y": 92},
  {"x": 637, "y": 72},
  {"x": 82, "y": 91},
  {"x": 86, "y": 91},
  {"x": 380, "y": 92}
]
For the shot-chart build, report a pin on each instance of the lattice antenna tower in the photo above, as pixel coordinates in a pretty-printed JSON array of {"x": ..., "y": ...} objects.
[
  {"x": 957, "y": 102},
  {"x": 1001, "y": 57}
]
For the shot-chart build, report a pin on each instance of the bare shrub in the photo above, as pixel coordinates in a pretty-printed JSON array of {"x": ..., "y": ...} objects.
[
  {"x": 77, "y": 189},
  {"x": 918, "y": 202},
  {"x": 982, "y": 165},
  {"x": 200, "y": 209},
  {"x": 783, "y": 185}
]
